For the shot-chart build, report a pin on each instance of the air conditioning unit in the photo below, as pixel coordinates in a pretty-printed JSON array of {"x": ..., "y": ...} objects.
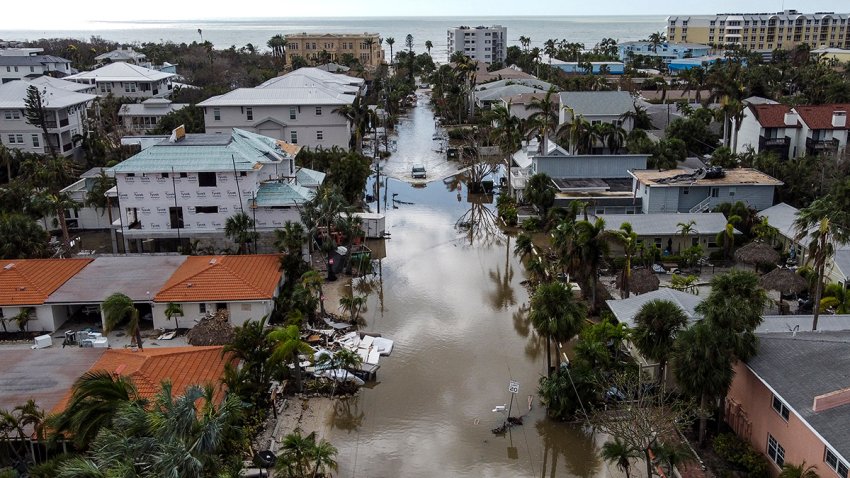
[{"x": 43, "y": 341}]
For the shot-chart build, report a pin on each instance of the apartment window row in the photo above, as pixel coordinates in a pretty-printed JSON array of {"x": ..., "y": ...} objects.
[
  {"x": 12, "y": 114},
  {"x": 835, "y": 463},
  {"x": 16, "y": 139},
  {"x": 144, "y": 121}
]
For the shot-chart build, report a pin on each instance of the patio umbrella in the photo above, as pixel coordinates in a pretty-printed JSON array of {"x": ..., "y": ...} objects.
[
  {"x": 213, "y": 329},
  {"x": 783, "y": 280},
  {"x": 756, "y": 253},
  {"x": 641, "y": 281}
]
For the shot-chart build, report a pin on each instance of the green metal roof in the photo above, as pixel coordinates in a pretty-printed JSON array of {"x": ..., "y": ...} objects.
[
  {"x": 309, "y": 177},
  {"x": 282, "y": 194},
  {"x": 242, "y": 150}
]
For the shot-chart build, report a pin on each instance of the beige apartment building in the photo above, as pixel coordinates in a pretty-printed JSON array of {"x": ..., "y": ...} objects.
[
  {"x": 365, "y": 47},
  {"x": 763, "y": 32}
]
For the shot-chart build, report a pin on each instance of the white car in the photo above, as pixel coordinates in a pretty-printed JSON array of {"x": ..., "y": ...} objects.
[{"x": 418, "y": 172}]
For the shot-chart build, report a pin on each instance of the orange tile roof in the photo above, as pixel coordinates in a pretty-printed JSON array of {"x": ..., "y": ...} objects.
[
  {"x": 183, "y": 366},
  {"x": 773, "y": 116},
  {"x": 223, "y": 278},
  {"x": 820, "y": 116},
  {"x": 31, "y": 281}
]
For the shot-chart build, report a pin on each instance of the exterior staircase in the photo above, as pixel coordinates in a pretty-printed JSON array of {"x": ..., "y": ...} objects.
[{"x": 703, "y": 206}]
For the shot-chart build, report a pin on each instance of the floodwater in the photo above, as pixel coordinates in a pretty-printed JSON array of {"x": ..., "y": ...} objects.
[{"x": 452, "y": 300}]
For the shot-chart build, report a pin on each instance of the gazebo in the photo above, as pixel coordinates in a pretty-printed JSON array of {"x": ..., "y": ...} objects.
[
  {"x": 641, "y": 281},
  {"x": 756, "y": 253}
]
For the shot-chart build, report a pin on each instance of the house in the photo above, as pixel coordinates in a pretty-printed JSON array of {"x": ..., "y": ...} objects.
[
  {"x": 64, "y": 84},
  {"x": 519, "y": 104},
  {"x": 139, "y": 118},
  {"x": 88, "y": 217},
  {"x": 482, "y": 44},
  {"x": 28, "y": 283},
  {"x": 123, "y": 55},
  {"x": 825, "y": 128},
  {"x": 686, "y": 190},
  {"x": 625, "y": 310},
  {"x": 246, "y": 286},
  {"x": 602, "y": 180},
  {"x": 137, "y": 277},
  {"x": 770, "y": 127},
  {"x": 664, "y": 230},
  {"x": 791, "y": 401},
  {"x": 364, "y": 47},
  {"x": 126, "y": 80},
  {"x": 585, "y": 68},
  {"x": 666, "y": 51},
  {"x": 299, "y": 107},
  {"x": 186, "y": 187},
  {"x": 20, "y": 67},
  {"x": 65, "y": 117},
  {"x": 598, "y": 107},
  {"x": 494, "y": 92},
  {"x": 512, "y": 72}
]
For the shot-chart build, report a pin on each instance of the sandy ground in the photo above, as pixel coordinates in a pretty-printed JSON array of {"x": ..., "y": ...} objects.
[{"x": 307, "y": 414}]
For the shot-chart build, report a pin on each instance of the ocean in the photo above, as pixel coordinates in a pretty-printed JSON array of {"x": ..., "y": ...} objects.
[{"x": 239, "y": 32}]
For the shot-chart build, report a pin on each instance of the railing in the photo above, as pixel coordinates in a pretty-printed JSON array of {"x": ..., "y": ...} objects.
[
  {"x": 63, "y": 122},
  {"x": 785, "y": 141},
  {"x": 821, "y": 144},
  {"x": 703, "y": 206}
]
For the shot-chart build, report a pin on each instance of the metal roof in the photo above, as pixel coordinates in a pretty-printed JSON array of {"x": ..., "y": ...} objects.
[
  {"x": 316, "y": 95},
  {"x": 137, "y": 277},
  {"x": 307, "y": 76},
  {"x": 497, "y": 93},
  {"x": 666, "y": 224},
  {"x": 625, "y": 310},
  {"x": 273, "y": 194},
  {"x": 598, "y": 103},
  {"x": 62, "y": 84},
  {"x": 13, "y": 95},
  {"x": 34, "y": 60},
  {"x": 241, "y": 150},
  {"x": 121, "y": 71},
  {"x": 121, "y": 54},
  {"x": 309, "y": 178}
]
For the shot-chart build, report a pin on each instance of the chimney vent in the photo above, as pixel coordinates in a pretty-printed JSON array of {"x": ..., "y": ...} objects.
[
  {"x": 839, "y": 119},
  {"x": 791, "y": 118}
]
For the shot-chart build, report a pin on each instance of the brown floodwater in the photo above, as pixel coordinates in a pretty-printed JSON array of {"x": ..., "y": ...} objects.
[{"x": 451, "y": 297}]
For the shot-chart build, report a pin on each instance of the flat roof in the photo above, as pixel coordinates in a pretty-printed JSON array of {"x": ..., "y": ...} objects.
[
  {"x": 44, "y": 375},
  {"x": 689, "y": 177},
  {"x": 139, "y": 278},
  {"x": 667, "y": 224}
]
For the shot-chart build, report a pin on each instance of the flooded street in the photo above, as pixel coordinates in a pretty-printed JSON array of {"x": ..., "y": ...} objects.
[{"x": 451, "y": 299}]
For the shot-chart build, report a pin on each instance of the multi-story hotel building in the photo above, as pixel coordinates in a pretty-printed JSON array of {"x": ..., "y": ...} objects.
[
  {"x": 365, "y": 47},
  {"x": 763, "y": 32},
  {"x": 484, "y": 44}
]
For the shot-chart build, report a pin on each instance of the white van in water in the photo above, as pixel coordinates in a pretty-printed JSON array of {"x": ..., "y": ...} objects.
[{"x": 419, "y": 172}]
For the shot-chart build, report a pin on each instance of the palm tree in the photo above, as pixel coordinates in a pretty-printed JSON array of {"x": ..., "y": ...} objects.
[
  {"x": 835, "y": 297},
  {"x": 524, "y": 41},
  {"x": 287, "y": 348},
  {"x": 173, "y": 310},
  {"x": 297, "y": 450},
  {"x": 24, "y": 317},
  {"x": 790, "y": 470},
  {"x": 277, "y": 44},
  {"x": 524, "y": 245},
  {"x": 342, "y": 359},
  {"x": 390, "y": 41},
  {"x": 359, "y": 116},
  {"x": 7, "y": 159},
  {"x": 656, "y": 325},
  {"x": 545, "y": 117},
  {"x": 628, "y": 238},
  {"x": 655, "y": 40},
  {"x": 370, "y": 42},
  {"x": 118, "y": 308},
  {"x": 95, "y": 399},
  {"x": 619, "y": 453},
  {"x": 592, "y": 247},
  {"x": 352, "y": 227},
  {"x": 323, "y": 454},
  {"x": 686, "y": 229},
  {"x": 540, "y": 192},
  {"x": 428, "y": 46},
  {"x": 556, "y": 315},
  {"x": 735, "y": 306},
  {"x": 352, "y": 305},
  {"x": 239, "y": 228},
  {"x": 507, "y": 134},
  {"x": 408, "y": 42},
  {"x": 60, "y": 203},
  {"x": 726, "y": 237}
]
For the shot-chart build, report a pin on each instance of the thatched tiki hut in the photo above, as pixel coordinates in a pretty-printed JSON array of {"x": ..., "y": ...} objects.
[
  {"x": 757, "y": 253},
  {"x": 213, "y": 329},
  {"x": 785, "y": 281},
  {"x": 641, "y": 281}
]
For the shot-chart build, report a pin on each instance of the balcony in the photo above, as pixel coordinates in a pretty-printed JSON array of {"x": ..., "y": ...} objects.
[
  {"x": 780, "y": 146},
  {"x": 815, "y": 146}
]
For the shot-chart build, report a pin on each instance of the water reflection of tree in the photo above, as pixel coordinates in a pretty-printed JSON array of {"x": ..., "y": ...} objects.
[
  {"x": 347, "y": 415},
  {"x": 479, "y": 222},
  {"x": 575, "y": 443},
  {"x": 503, "y": 297}
]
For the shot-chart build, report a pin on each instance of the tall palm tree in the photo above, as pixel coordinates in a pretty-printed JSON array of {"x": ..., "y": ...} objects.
[
  {"x": 628, "y": 238},
  {"x": 592, "y": 247},
  {"x": 359, "y": 117},
  {"x": 323, "y": 455},
  {"x": 507, "y": 134},
  {"x": 545, "y": 117},
  {"x": 726, "y": 237},
  {"x": 686, "y": 229},
  {"x": 118, "y": 308},
  {"x": 391, "y": 41},
  {"x": 287, "y": 348},
  {"x": 428, "y": 46},
  {"x": 408, "y": 42},
  {"x": 342, "y": 359},
  {"x": 656, "y": 325},
  {"x": 524, "y": 245},
  {"x": 352, "y": 227},
  {"x": 172, "y": 310},
  {"x": 735, "y": 306},
  {"x": 524, "y": 41},
  {"x": 370, "y": 43},
  {"x": 95, "y": 399},
  {"x": 556, "y": 315},
  {"x": 619, "y": 453},
  {"x": 239, "y": 228}
]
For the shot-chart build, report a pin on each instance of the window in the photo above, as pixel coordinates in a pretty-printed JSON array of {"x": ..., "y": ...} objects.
[
  {"x": 249, "y": 113},
  {"x": 217, "y": 114},
  {"x": 175, "y": 215},
  {"x": 715, "y": 192},
  {"x": 731, "y": 191},
  {"x": 20, "y": 138},
  {"x": 292, "y": 112},
  {"x": 318, "y": 111},
  {"x": 12, "y": 139},
  {"x": 320, "y": 135},
  {"x": 685, "y": 191},
  {"x": 130, "y": 87},
  {"x": 780, "y": 408},
  {"x": 243, "y": 174},
  {"x": 184, "y": 175},
  {"x": 206, "y": 180},
  {"x": 12, "y": 114},
  {"x": 206, "y": 209},
  {"x": 775, "y": 451},
  {"x": 163, "y": 175},
  {"x": 657, "y": 241},
  {"x": 836, "y": 464},
  {"x": 202, "y": 308},
  {"x": 293, "y": 137},
  {"x": 35, "y": 141}
]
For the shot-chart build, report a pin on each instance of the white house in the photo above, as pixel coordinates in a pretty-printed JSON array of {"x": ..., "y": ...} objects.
[
  {"x": 825, "y": 128},
  {"x": 88, "y": 217},
  {"x": 127, "y": 80},
  {"x": 188, "y": 186},
  {"x": 794, "y": 132},
  {"x": 123, "y": 55},
  {"x": 598, "y": 107},
  {"x": 66, "y": 116},
  {"x": 139, "y": 118},
  {"x": 488, "y": 94},
  {"x": 299, "y": 107},
  {"x": 483, "y": 44},
  {"x": 20, "y": 67}
]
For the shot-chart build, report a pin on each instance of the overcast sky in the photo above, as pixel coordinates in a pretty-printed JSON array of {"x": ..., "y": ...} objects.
[{"x": 65, "y": 14}]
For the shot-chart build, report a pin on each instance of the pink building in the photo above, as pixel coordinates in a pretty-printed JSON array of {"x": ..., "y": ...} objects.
[{"x": 792, "y": 401}]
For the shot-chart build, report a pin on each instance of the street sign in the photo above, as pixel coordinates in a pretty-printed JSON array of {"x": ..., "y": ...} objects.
[{"x": 513, "y": 387}]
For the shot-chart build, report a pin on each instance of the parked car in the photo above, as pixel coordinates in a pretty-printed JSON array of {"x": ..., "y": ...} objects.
[{"x": 419, "y": 171}]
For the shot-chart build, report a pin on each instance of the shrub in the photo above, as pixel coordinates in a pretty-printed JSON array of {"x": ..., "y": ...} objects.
[
  {"x": 532, "y": 224},
  {"x": 740, "y": 454}
]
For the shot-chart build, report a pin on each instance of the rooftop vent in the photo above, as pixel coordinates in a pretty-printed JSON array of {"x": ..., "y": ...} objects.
[
  {"x": 189, "y": 285},
  {"x": 213, "y": 261},
  {"x": 9, "y": 266},
  {"x": 839, "y": 119},
  {"x": 791, "y": 119}
]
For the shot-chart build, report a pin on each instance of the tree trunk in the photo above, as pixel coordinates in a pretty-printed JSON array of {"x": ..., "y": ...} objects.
[
  {"x": 60, "y": 215},
  {"x": 548, "y": 358},
  {"x": 818, "y": 292},
  {"x": 703, "y": 420},
  {"x": 648, "y": 462},
  {"x": 138, "y": 335},
  {"x": 296, "y": 361}
]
